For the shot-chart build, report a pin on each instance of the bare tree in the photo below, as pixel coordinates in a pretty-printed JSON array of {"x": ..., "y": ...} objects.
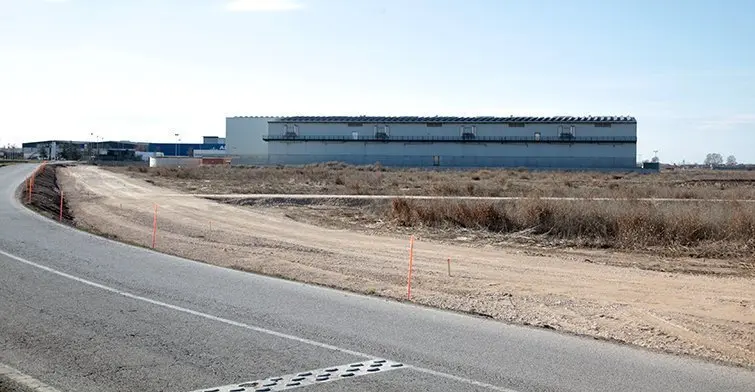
[
  {"x": 714, "y": 159},
  {"x": 731, "y": 160},
  {"x": 42, "y": 152}
]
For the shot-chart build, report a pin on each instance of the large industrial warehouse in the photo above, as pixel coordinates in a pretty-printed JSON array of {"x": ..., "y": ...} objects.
[{"x": 534, "y": 142}]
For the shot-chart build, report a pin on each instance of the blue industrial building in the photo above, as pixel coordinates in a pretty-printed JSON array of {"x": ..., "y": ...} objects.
[
  {"x": 600, "y": 142},
  {"x": 187, "y": 149},
  {"x": 51, "y": 148},
  {"x": 181, "y": 149}
]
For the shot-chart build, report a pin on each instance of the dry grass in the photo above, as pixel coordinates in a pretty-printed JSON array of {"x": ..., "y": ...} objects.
[
  {"x": 681, "y": 229},
  {"x": 337, "y": 178},
  {"x": 702, "y": 229}
]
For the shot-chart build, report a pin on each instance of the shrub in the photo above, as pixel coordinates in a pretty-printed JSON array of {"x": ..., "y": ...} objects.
[{"x": 714, "y": 229}]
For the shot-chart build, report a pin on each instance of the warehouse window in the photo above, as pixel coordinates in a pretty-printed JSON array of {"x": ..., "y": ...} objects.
[
  {"x": 468, "y": 132},
  {"x": 516, "y": 125},
  {"x": 566, "y": 131},
  {"x": 603, "y": 125},
  {"x": 434, "y": 125},
  {"x": 290, "y": 130},
  {"x": 355, "y": 124},
  {"x": 382, "y": 132}
]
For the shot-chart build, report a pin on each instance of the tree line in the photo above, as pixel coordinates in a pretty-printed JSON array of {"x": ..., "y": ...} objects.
[{"x": 716, "y": 159}]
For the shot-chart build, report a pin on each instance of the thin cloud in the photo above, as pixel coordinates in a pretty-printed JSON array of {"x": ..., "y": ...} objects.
[
  {"x": 263, "y": 5},
  {"x": 729, "y": 122}
]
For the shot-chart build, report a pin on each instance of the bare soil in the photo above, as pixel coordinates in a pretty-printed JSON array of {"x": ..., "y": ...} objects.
[
  {"x": 338, "y": 178},
  {"x": 369, "y": 217},
  {"x": 692, "y": 213},
  {"x": 46, "y": 195},
  {"x": 708, "y": 314}
]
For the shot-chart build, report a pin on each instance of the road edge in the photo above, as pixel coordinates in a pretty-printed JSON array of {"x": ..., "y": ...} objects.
[
  {"x": 12, "y": 380},
  {"x": 33, "y": 212}
]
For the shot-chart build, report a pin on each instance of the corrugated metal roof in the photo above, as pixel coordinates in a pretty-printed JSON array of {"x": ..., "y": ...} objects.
[
  {"x": 450, "y": 119},
  {"x": 272, "y": 117}
]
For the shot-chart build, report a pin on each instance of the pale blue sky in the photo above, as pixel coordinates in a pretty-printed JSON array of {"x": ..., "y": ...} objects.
[{"x": 139, "y": 69}]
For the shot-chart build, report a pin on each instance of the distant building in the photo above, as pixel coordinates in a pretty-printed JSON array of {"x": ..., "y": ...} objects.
[
  {"x": 537, "y": 142},
  {"x": 11, "y": 152},
  {"x": 213, "y": 140},
  {"x": 120, "y": 150},
  {"x": 182, "y": 149},
  {"x": 50, "y": 149}
]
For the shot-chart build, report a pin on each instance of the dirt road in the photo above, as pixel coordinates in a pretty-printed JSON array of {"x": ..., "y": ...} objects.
[{"x": 707, "y": 316}]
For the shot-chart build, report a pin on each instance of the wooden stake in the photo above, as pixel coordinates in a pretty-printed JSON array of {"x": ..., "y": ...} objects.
[
  {"x": 449, "y": 266},
  {"x": 154, "y": 228},
  {"x": 409, "y": 276}
]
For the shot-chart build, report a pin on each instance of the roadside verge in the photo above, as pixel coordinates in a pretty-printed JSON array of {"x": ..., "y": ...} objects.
[{"x": 703, "y": 316}]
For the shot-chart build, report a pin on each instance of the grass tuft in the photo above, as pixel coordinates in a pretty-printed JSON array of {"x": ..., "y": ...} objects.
[{"x": 702, "y": 230}]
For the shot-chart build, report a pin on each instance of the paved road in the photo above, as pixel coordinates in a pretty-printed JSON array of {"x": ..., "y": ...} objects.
[{"x": 82, "y": 313}]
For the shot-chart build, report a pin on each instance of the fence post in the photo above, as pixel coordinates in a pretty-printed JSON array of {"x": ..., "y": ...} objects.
[
  {"x": 60, "y": 217},
  {"x": 449, "y": 266}
]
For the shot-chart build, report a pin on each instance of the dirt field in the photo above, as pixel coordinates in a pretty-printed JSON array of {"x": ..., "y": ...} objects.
[
  {"x": 584, "y": 292},
  {"x": 696, "y": 213},
  {"x": 373, "y": 217},
  {"x": 336, "y": 178}
]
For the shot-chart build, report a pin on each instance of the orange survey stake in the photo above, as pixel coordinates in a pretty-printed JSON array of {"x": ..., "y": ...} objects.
[
  {"x": 154, "y": 228},
  {"x": 411, "y": 261}
]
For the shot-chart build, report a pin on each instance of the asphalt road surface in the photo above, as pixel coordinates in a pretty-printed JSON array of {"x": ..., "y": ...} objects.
[{"x": 82, "y": 313}]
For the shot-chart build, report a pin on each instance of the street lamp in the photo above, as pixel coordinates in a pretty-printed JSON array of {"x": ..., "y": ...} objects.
[
  {"x": 177, "y": 140},
  {"x": 97, "y": 139}
]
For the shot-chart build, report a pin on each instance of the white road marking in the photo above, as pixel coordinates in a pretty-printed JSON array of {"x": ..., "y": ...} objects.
[
  {"x": 249, "y": 327},
  {"x": 311, "y": 377},
  {"x": 20, "y": 379}
]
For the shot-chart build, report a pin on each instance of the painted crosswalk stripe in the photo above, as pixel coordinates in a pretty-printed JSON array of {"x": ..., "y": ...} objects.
[{"x": 311, "y": 377}]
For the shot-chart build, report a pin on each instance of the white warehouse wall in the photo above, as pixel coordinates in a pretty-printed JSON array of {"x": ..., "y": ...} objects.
[
  {"x": 243, "y": 138},
  {"x": 615, "y": 146},
  {"x": 453, "y": 130},
  {"x": 605, "y": 154},
  {"x": 551, "y": 155}
]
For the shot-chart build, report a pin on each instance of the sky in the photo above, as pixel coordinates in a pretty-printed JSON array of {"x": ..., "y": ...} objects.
[{"x": 147, "y": 69}]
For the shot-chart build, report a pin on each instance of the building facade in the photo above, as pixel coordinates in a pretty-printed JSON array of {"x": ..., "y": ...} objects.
[
  {"x": 122, "y": 150},
  {"x": 536, "y": 142},
  {"x": 243, "y": 136}
]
